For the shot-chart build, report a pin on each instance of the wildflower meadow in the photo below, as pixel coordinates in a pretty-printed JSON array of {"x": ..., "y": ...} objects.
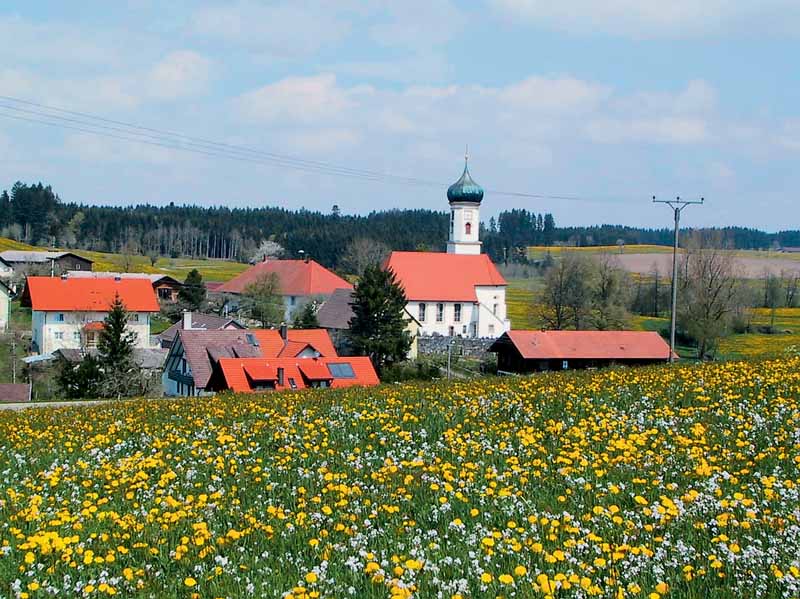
[{"x": 661, "y": 482}]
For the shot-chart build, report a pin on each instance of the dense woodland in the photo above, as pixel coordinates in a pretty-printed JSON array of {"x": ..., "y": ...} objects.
[{"x": 35, "y": 214}]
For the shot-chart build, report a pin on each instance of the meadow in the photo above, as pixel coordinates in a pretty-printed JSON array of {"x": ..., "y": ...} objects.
[{"x": 662, "y": 482}]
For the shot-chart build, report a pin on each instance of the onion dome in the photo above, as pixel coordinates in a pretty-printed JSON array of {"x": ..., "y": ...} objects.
[{"x": 465, "y": 189}]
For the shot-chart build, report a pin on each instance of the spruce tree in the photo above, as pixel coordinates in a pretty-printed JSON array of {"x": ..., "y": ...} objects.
[
  {"x": 115, "y": 348},
  {"x": 378, "y": 327},
  {"x": 193, "y": 292},
  {"x": 307, "y": 317}
]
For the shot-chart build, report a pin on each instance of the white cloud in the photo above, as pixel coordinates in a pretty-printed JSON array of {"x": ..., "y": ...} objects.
[
  {"x": 658, "y": 129},
  {"x": 652, "y": 18},
  {"x": 283, "y": 29},
  {"x": 540, "y": 94},
  {"x": 298, "y": 99},
  {"x": 178, "y": 74}
]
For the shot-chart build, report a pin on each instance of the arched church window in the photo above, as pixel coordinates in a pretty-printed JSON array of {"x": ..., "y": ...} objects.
[{"x": 468, "y": 228}]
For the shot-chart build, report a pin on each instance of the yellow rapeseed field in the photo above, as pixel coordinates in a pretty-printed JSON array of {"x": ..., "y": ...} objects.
[{"x": 662, "y": 482}]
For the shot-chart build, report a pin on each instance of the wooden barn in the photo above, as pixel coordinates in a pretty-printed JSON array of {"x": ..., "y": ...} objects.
[{"x": 522, "y": 352}]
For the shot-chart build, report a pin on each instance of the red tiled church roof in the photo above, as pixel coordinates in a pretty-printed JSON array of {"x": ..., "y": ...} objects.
[
  {"x": 436, "y": 276},
  {"x": 586, "y": 345},
  {"x": 297, "y": 277},
  {"x": 57, "y": 294}
]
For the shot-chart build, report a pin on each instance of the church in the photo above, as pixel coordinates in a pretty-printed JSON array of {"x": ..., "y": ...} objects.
[{"x": 459, "y": 292}]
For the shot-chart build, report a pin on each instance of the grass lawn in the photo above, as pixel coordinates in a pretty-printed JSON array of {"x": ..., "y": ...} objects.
[{"x": 520, "y": 300}]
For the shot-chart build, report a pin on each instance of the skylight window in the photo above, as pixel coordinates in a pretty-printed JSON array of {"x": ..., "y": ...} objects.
[{"x": 342, "y": 371}]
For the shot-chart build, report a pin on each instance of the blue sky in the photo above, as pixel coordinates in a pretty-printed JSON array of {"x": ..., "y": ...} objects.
[{"x": 611, "y": 102}]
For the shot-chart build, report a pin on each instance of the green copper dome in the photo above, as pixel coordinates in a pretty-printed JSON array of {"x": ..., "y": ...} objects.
[{"x": 465, "y": 189}]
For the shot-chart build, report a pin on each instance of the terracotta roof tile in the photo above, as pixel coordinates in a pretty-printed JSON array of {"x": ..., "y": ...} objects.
[
  {"x": 297, "y": 277},
  {"x": 436, "y": 276},
  {"x": 237, "y": 374},
  {"x": 56, "y": 294},
  {"x": 587, "y": 345}
]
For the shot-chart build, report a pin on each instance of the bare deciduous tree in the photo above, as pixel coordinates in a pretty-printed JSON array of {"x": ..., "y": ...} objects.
[
  {"x": 708, "y": 291},
  {"x": 361, "y": 253}
]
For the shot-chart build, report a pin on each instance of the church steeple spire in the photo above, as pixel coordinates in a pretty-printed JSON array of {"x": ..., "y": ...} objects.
[{"x": 465, "y": 198}]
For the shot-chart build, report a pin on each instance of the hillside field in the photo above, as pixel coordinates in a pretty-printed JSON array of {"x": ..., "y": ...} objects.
[
  {"x": 643, "y": 259},
  {"x": 662, "y": 482},
  {"x": 212, "y": 270}
]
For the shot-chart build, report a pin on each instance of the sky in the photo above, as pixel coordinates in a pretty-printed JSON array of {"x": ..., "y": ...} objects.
[{"x": 603, "y": 104}]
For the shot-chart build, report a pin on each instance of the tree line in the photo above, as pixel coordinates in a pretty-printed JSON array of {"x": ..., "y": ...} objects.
[{"x": 35, "y": 214}]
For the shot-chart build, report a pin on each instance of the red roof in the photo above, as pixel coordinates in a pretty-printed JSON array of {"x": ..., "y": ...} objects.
[
  {"x": 297, "y": 277},
  {"x": 272, "y": 345},
  {"x": 204, "y": 347},
  {"x": 238, "y": 374},
  {"x": 435, "y": 276},
  {"x": 587, "y": 345},
  {"x": 56, "y": 294}
]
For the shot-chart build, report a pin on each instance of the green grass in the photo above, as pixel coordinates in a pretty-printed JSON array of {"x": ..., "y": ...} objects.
[
  {"x": 10, "y": 244},
  {"x": 19, "y": 324}
]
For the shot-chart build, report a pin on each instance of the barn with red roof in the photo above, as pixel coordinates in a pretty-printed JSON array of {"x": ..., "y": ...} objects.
[
  {"x": 68, "y": 313},
  {"x": 536, "y": 351}
]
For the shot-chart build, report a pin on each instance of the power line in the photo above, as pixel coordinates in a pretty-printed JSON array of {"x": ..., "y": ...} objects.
[{"x": 53, "y": 116}]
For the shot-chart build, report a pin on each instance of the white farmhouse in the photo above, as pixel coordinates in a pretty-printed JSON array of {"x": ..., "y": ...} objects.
[
  {"x": 69, "y": 313},
  {"x": 461, "y": 292},
  {"x": 5, "y": 306}
]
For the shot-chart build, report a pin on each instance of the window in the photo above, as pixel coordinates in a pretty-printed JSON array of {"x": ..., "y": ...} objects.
[
  {"x": 292, "y": 300},
  {"x": 164, "y": 293},
  {"x": 59, "y": 335},
  {"x": 76, "y": 335},
  {"x": 292, "y": 383},
  {"x": 464, "y": 330},
  {"x": 60, "y": 317},
  {"x": 468, "y": 228},
  {"x": 457, "y": 312},
  {"x": 342, "y": 371},
  {"x": 491, "y": 330},
  {"x": 422, "y": 308},
  {"x": 494, "y": 309},
  {"x": 134, "y": 318},
  {"x": 439, "y": 312},
  {"x": 452, "y": 221},
  {"x": 467, "y": 214},
  {"x": 251, "y": 339},
  {"x": 451, "y": 331}
]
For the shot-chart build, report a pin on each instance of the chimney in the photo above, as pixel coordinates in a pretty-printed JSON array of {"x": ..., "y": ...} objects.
[
  {"x": 284, "y": 333},
  {"x": 281, "y": 376},
  {"x": 187, "y": 320}
]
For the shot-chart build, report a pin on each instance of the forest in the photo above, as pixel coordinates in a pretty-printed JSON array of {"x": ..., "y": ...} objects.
[{"x": 34, "y": 213}]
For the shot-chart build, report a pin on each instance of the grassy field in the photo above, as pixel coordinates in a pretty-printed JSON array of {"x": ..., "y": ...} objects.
[
  {"x": 10, "y": 244},
  {"x": 20, "y": 323},
  {"x": 663, "y": 482},
  {"x": 212, "y": 270}
]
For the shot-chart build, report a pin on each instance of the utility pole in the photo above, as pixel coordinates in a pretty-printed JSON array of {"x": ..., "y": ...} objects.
[{"x": 677, "y": 206}]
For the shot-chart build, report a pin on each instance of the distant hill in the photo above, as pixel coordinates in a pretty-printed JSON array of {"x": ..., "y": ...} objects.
[{"x": 34, "y": 213}]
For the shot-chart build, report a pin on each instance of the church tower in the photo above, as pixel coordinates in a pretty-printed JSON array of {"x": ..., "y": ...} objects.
[{"x": 465, "y": 202}]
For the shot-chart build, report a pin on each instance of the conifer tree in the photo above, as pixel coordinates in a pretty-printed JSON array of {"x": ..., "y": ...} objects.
[
  {"x": 193, "y": 292},
  {"x": 378, "y": 327},
  {"x": 115, "y": 348},
  {"x": 307, "y": 317}
]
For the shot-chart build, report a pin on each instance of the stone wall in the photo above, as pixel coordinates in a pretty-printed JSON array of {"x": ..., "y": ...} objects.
[{"x": 468, "y": 347}]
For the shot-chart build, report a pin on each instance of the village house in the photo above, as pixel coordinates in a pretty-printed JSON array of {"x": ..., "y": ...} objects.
[
  {"x": 460, "y": 292},
  {"x": 5, "y": 306},
  {"x": 300, "y": 281},
  {"x": 6, "y": 270},
  {"x": 69, "y": 313},
  {"x": 195, "y": 354},
  {"x": 252, "y": 375},
  {"x": 194, "y": 321},
  {"x": 523, "y": 352},
  {"x": 334, "y": 316},
  {"x": 165, "y": 286},
  {"x": 29, "y": 262}
]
